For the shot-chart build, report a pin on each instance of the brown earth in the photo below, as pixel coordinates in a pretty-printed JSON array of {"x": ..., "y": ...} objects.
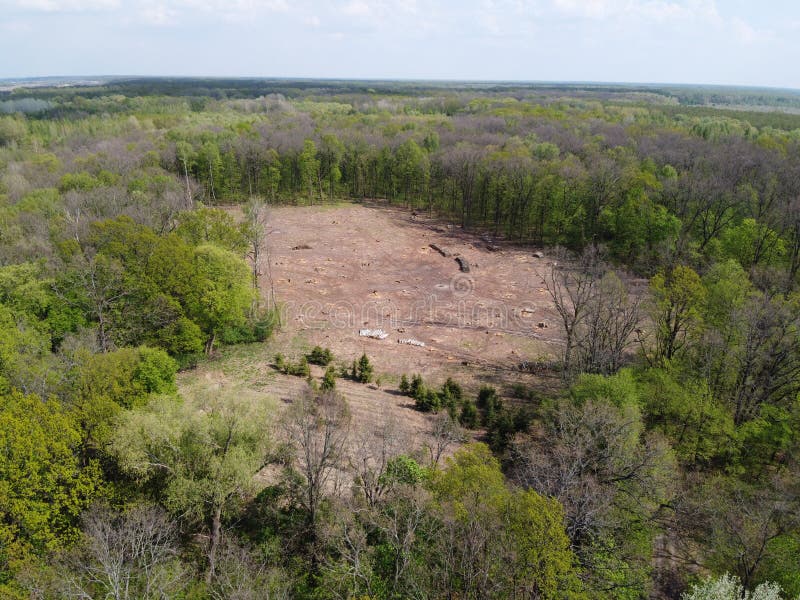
[{"x": 337, "y": 269}]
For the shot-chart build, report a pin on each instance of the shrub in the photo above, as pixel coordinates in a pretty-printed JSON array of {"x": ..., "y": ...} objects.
[
  {"x": 427, "y": 400},
  {"x": 320, "y": 356},
  {"x": 416, "y": 385},
  {"x": 302, "y": 369},
  {"x": 451, "y": 390},
  {"x": 486, "y": 395}
]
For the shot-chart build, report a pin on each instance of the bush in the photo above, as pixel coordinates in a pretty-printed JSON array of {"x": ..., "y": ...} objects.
[
  {"x": 521, "y": 392},
  {"x": 490, "y": 403},
  {"x": 416, "y": 385},
  {"x": 264, "y": 326},
  {"x": 301, "y": 369},
  {"x": 504, "y": 425},
  {"x": 320, "y": 357},
  {"x": 451, "y": 391},
  {"x": 486, "y": 395},
  {"x": 427, "y": 400}
]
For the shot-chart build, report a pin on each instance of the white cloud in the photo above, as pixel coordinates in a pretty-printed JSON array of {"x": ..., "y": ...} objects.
[
  {"x": 356, "y": 9},
  {"x": 651, "y": 10},
  {"x": 159, "y": 14},
  {"x": 64, "y": 5},
  {"x": 747, "y": 34},
  {"x": 240, "y": 7}
]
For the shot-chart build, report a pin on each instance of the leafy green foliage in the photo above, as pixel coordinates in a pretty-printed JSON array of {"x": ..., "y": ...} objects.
[
  {"x": 200, "y": 460},
  {"x": 329, "y": 379},
  {"x": 211, "y": 226},
  {"x": 320, "y": 357},
  {"x": 524, "y": 544},
  {"x": 44, "y": 486},
  {"x": 405, "y": 386}
]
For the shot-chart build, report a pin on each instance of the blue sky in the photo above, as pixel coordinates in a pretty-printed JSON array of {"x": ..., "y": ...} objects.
[{"x": 741, "y": 42}]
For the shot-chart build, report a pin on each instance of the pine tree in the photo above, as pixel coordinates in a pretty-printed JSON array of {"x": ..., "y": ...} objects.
[
  {"x": 329, "y": 379},
  {"x": 364, "y": 369}
]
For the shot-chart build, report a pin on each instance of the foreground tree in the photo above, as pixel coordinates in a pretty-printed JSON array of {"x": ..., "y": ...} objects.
[
  {"x": 44, "y": 485},
  {"x": 728, "y": 587},
  {"x": 317, "y": 427},
  {"x": 131, "y": 555},
  {"x": 611, "y": 477},
  {"x": 495, "y": 542},
  {"x": 199, "y": 458}
]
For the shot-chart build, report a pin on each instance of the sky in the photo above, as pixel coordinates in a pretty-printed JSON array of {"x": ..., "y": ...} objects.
[{"x": 728, "y": 42}]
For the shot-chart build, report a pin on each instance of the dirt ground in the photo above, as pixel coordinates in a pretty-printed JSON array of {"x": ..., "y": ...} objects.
[{"x": 335, "y": 270}]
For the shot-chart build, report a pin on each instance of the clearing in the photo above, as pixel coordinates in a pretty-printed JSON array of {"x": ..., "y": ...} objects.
[{"x": 339, "y": 269}]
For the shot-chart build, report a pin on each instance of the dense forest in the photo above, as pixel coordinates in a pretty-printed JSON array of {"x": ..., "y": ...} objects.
[{"x": 664, "y": 464}]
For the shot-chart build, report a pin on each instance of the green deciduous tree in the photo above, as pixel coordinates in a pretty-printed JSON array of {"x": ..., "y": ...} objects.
[
  {"x": 496, "y": 542},
  {"x": 200, "y": 458},
  {"x": 212, "y": 226},
  {"x": 225, "y": 292},
  {"x": 611, "y": 476},
  {"x": 676, "y": 311},
  {"x": 44, "y": 486},
  {"x": 308, "y": 168}
]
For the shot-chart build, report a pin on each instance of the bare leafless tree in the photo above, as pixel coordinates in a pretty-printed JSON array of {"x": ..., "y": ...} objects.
[
  {"x": 370, "y": 456},
  {"x": 241, "y": 575},
  {"x": 129, "y": 555},
  {"x": 445, "y": 433},
  {"x": 572, "y": 287},
  {"x": 607, "y": 332},
  {"x": 595, "y": 460},
  {"x": 317, "y": 426}
]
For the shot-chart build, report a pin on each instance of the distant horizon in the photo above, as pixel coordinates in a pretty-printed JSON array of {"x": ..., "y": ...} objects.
[{"x": 106, "y": 78}]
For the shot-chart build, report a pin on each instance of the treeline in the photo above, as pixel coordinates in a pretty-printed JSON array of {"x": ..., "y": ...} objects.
[{"x": 651, "y": 183}]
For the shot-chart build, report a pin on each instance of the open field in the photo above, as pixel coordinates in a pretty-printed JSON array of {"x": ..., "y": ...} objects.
[{"x": 335, "y": 270}]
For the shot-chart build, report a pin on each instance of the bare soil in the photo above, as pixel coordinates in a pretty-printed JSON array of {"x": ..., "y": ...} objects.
[
  {"x": 335, "y": 270},
  {"x": 358, "y": 267}
]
